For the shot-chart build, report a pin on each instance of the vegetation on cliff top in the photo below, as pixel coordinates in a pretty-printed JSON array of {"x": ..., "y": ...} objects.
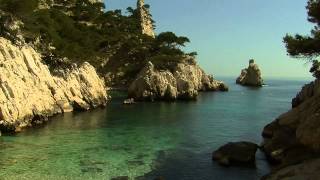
[{"x": 75, "y": 31}]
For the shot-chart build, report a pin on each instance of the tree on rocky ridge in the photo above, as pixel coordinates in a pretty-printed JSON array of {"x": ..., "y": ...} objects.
[{"x": 307, "y": 46}]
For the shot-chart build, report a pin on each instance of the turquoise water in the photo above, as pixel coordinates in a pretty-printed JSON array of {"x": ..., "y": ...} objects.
[{"x": 146, "y": 140}]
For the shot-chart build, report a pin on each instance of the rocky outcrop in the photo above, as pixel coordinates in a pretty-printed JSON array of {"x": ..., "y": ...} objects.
[
  {"x": 29, "y": 92},
  {"x": 308, "y": 91},
  {"x": 308, "y": 170},
  {"x": 238, "y": 153},
  {"x": 145, "y": 19},
  {"x": 182, "y": 83},
  {"x": 250, "y": 76},
  {"x": 293, "y": 138}
]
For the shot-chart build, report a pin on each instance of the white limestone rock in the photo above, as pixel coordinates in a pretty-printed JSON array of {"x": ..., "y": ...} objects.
[
  {"x": 145, "y": 19},
  {"x": 29, "y": 90},
  {"x": 184, "y": 83}
]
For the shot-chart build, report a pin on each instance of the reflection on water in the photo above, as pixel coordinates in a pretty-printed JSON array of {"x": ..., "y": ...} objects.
[{"x": 146, "y": 140}]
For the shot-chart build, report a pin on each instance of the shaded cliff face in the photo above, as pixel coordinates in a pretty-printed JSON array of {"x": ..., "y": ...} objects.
[
  {"x": 250, "y": 76},
  {"x": 182, "y": 83},
  {"x": 294, "y": 137},
  {"x": 29, "y": 92}
]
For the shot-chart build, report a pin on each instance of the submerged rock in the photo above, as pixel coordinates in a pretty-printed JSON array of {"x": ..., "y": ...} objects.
[
  {"x": 183, "y": 82},
  {"x": 250, "y": 76},
  {"x": 293, "y": 138},
  {"x": 238, "y": 153},
  {"x": 30, "y": 93}
]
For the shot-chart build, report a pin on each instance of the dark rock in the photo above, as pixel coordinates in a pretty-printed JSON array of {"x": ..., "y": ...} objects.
[
  {"x": 291, "y": 142},
  {"x": 238, "y": 153},
  {"x": 159, "y": 178},
  {"x": 80, "y": 105},
  {"x": 306, "y": 170},
  {"x": 223, "y": 87}
]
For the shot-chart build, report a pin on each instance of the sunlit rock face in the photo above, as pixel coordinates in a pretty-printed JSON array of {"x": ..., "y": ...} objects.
[
  {"x": 145, "y": 19},
  {"x": 183, "y": 82},
  {"x": 29, "y": 92},
  {"x": 250, "y": 76}
]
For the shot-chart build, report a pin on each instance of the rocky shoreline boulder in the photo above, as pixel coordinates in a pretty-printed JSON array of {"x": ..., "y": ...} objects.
[
  {"x": 237, "y": 153},
  {"x": 307, "y": 170},
  {"x": 293, "y": 140},
  {"x": 29, "y": 93},
  {"x": 250, "y": 76},
  {"x": 184, "y": 82}
]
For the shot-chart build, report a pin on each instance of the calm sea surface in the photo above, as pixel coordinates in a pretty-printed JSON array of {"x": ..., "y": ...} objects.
[{"x": 146, "y": 140}]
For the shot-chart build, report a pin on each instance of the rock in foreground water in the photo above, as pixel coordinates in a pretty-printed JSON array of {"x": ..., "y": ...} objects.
[
  {"x": 250, "y": 76},
  {"x": 30, "y": 93},
  {"x": 237, "y": 153}
]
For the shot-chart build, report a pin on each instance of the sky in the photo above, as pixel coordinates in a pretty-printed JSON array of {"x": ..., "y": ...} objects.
[{"x": 227, "y": 33}]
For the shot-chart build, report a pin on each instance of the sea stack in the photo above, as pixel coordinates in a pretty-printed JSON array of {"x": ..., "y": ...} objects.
[
  {"x": 146, "y": 24},
  {"x": 251, "y": 76}
]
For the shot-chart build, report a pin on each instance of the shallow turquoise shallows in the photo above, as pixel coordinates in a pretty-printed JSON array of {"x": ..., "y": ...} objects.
[{"x": 146, "y": 140}]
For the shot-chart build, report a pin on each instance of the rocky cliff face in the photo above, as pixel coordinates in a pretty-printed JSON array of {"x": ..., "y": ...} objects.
[
  {"x": 293, "y": 139},
  {"x": 250, "y": 76},
  {"x": 145, "y": 19},
  {"x": 29, "y": 93},
  {"x": 183, "y": 83}
]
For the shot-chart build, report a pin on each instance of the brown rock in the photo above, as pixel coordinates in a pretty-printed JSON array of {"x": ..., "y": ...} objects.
[{"x": 238, "y": 153}]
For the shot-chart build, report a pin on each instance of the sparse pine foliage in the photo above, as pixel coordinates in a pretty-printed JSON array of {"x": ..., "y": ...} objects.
[{"x": 306, "y": 46}]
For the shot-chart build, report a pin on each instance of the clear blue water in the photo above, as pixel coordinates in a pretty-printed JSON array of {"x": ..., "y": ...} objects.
[{"x": 146, "y": 140}]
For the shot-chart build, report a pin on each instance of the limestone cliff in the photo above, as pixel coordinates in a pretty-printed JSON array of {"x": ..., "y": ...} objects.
[
  {"x": 29, "y": 93},
  {"x": 250, "y": 76},
  {"x": 293, "y": 139},
  {"x": 182, "y": 83},
  {"x": 145, "y": 19}
]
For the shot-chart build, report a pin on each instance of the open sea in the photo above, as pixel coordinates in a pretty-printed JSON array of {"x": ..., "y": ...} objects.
[{"x": 147, "y": 140}]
